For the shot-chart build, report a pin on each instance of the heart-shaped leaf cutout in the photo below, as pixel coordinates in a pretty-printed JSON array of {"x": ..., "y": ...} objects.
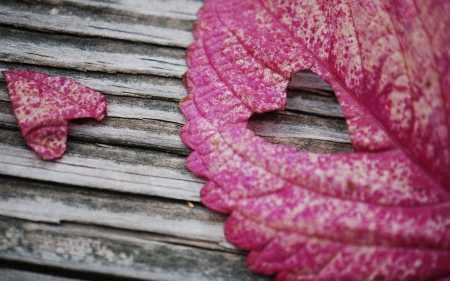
[
  {"x": 380, "y": 213},
  {"x": 43, "y": 104}
]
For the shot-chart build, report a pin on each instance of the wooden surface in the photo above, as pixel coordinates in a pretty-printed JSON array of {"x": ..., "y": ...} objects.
[{"x": 115, "y": 206}]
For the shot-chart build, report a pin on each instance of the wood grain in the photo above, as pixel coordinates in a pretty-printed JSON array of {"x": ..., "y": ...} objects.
[
  {"x": 57, "y": 203},
  {"x": 79, "y": 21},
  {"x": 118, "y": 84},
  {"x": 102, "y": 173},
  {"x": 173, "y": 9},
  {"x": 85, "y": 54}
]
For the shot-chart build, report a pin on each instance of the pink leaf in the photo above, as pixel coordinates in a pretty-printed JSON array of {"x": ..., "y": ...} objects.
[
  {"x": 380, "y": 213},
  {"x": 43, "y": 104}
]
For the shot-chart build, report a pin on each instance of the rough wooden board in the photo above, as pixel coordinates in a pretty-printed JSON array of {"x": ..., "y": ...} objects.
[
  {"x": 117, "y": 255},
  {"x": 290, "y": 124},
  {"x": 100, "y": 173},
  {"x": 128, "y": 132},
  {"x": 103, "y": 166},
  {"x": 271, "y": 129},
  {"x": 175, "y": 9},
  {"x": 57, "y": 19},
  {"x": 7, "y": 274},
  {"x": 309, "y": 81},
  {"x": 117, "y": 154},
  {"x": 129, "y": 108},
  {"x": 314, "y": 104},
  {"x": 44, "y": 202},
  {"x": 312, "y": 145},
  {"x": 90, "y": 54},
  {"x": 128, "y": 85}
]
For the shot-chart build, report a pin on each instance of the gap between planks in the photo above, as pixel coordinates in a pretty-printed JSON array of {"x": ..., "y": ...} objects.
[
  {"x": 91, "y": 251},
  {"x": 102, "y": 174}
]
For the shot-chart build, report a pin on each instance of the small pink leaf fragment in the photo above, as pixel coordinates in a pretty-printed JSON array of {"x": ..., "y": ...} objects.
[
  {"x": 380, "y": 213},
  {"x": 43, "y": 104}
]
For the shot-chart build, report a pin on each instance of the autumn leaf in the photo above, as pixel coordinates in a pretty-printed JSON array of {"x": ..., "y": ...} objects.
[
  {"x": 380, "y": 213},
  {"x": 43, "y": 105}
]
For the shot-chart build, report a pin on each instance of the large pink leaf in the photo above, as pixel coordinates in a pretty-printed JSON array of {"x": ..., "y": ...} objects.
[
  {"x": 43, "y": 104},
  {"x": 380, "y": 213}
]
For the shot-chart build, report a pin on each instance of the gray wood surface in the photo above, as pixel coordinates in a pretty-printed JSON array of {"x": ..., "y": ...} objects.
[{"x": 117, "y": 205}]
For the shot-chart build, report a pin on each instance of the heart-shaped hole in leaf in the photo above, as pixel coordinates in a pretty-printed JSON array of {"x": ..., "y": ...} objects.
[{"x": 312, "y": 121}]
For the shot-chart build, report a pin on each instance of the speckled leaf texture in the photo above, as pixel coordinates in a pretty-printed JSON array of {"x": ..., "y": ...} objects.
[
  {"x": 380, "y": 213},
  {"x": 43, "y": 104}
]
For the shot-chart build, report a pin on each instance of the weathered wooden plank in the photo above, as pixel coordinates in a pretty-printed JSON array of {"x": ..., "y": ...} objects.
[
  {"x": 7, "y": 274},
  {"x": 308, "y": 102},
  {"x": 315, "y": 107},
  {"x": 152, "y": 137},
  {"x": 271, "y": 129},
  {"x": 130, "y": 108},
  {"x": 88, "y": 54},
  {"x": 117, "y": 154},
  {"x": 312, "y": 145},
  {"x": 55, "y": 203},
  {"x": 61, "y": 19},
  {"x": 290, "y": 124},
  {"x": 82, "y": 170},
  {"x": 119, "y": 84},
  {"x": 309, "y": 81},
  {"x": 129, "y": 132},
  {"x": 174, "y": 9},
  {"x": 123, "y": 254},
  {"x": 125, "y": 111}
]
